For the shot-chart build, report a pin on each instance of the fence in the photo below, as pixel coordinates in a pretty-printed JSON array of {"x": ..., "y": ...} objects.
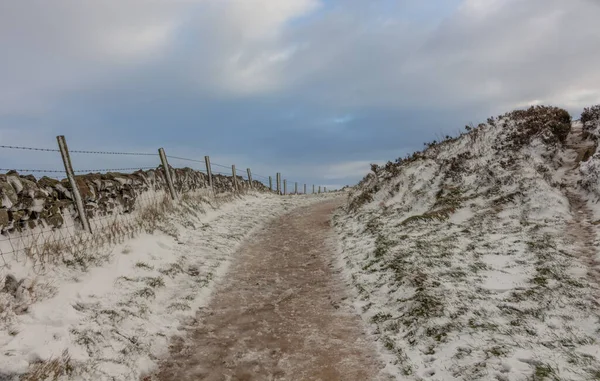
[{"x": 71, "y": 210}]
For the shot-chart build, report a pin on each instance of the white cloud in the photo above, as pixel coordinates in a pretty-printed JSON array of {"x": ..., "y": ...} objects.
[
  {"x": 498, "y": 53},
  {"x": 489, "y": 52},
  {"x": 259, "y": 20},
  {"x": 50, "y": 48},
  {"x": 348, "y": 169},
  {"x": 131, "y": 43}
]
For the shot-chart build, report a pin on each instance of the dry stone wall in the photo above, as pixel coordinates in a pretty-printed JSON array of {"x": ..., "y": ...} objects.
[{"x": 27, "y": 202}]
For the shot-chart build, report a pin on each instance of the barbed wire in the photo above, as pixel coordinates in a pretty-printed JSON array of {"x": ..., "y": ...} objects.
[
  {"x": 240, "y": 171},
  {"x": 111, "y": 170},
  {"x": 76, "y": 171},
  {"x": 30, "y": 148},
  {"x": 114, "y": 153},
  {"x": 34, "y": 170},
  {"x": 220, "y": 165},
  {"x": 186, "y": 159}
]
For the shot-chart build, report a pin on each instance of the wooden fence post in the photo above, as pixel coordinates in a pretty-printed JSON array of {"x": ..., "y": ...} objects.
[
  {"x": 313, "y": 189},
  {"x": 235, "y": 184},
  {"x": 296, "y": 188},
  {"x": 304, "y": 188},
  {"x": 284, "y": 187},
  {"x": 64, "y": 152},
  {"x": 270, "y": 183},
  {"x": 209, "y": 172},
  {"x": 278, "y": 180},
  {"x": 250, "y": 177},
  {"x": 325, "y": 190},
  {"x": 165, "y": 164},
  {"x": 319, "y": 189}
]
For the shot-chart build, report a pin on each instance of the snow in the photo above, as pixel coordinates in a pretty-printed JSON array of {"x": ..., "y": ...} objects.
[
  {"x": 117, "y": 318},
  {"x": 464, "y": 268}
]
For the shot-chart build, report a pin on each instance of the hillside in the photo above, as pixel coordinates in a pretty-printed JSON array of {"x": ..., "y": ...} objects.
[{"x": 477, "y": 257}]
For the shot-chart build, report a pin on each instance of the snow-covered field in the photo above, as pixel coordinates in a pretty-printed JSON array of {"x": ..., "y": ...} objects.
[
  {"x": 469, "y": 262},
  {"x": 114, "y": 320}
]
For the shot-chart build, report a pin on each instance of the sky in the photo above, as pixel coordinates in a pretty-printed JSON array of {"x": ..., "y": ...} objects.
[{"x": 314, "y": 89}]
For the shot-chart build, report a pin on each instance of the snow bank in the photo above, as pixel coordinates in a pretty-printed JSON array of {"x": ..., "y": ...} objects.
[
  {"x": 114, "y": 320},
  {"x": 463, "y": 261}
]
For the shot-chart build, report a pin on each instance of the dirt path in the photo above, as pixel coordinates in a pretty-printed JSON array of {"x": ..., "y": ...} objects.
[
  {"x": 580, "y": 229},
  {"x": 280, "y": 316}
]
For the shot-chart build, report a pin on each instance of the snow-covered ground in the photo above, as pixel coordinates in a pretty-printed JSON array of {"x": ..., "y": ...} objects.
[
  {"x": 469, "y": 263},
  {"x": 114, "y": 320}
]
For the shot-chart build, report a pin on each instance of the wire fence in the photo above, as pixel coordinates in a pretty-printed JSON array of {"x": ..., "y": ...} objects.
[{"x": 43, "y": 210}]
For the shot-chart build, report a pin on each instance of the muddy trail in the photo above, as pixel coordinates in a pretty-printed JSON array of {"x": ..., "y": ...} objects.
[
  {"x": 580, "y": 229},
  {"x": 280, "y": 314}
]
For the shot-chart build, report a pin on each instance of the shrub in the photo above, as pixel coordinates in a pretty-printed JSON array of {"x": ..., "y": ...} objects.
[
  {"x": 590, "y": 118},
  {"x": 552, "y": 124},
  {"x": 363, "y": 198},
  {"x": 590, "y": 114}
]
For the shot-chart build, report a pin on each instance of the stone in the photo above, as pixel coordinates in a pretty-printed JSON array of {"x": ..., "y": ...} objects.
[
  {"x": 55, "y": 220},
  {"x": 17, "y": 215},
  {"x": 26, "y": 203},
  {"x": 4, "y": 220},
  {"x": 47, "y": 182},
  {"x": 8, "y": 193},
  {"x": 10, "y": 285}
]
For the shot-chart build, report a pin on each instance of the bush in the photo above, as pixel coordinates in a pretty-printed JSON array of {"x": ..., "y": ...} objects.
[
  {"x": 552, "y": 124},
  {"x": 590, "y": 114},
  {"x": 590, "y": 118}
]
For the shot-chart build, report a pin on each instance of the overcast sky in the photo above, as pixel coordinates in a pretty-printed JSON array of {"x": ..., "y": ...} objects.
[{"x": 315, "y": 89}]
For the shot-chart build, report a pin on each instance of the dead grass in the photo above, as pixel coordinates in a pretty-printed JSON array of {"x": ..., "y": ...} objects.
[
  {"x": 434, "y": 215},
  {"x": 80, "y": 249},
  {"x": 50, "y": 370}
]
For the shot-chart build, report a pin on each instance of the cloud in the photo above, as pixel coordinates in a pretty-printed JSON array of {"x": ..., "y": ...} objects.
[
  {"x": 281, "y": 83},
  {"x": 349, "y": 169},
  {"x": 51, "y": 48},
  {"x": 343, "y": 119},
  {"x": 494, "y": 52}
]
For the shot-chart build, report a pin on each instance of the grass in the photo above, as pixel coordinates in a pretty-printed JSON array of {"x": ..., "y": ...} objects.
[
  {"x": 171, "y": 271},
  {"x": 544, "y": 372},
  {"x": 50, "y": 370},
  {"x": 155, "y": 282},
  {"x": 434, "y": 215},
  {"x": 80, "y": 249},
  {"x": 179, "y": 306},
  {"x": 146, "y": 292},
  {"x": 144, "y": 265}
]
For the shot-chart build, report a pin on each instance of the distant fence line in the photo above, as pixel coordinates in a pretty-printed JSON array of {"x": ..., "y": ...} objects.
[
  {"x": 69, "y": 172},
  {"x": 73, "y": 192}
]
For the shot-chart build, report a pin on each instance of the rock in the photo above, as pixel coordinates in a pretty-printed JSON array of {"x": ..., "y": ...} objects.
[
  {"x": 10, "y": 285},
  {"x": 4, "y": 220},
  {"x": 16, "y": 183},
  {"x": 64, "y": 191},
  {"x": 30, "y": 178},
  {"x": 47, "y": 182},
  {"x": 26, "y": 203},
  {"x": 55, "y": 220},
  {"x": 8, "y": 195},
  {"x": 17, "y": 215},
  {"x": 86, "y": 189}
]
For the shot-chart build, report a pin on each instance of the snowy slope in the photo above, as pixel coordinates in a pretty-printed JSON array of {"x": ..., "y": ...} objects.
[
  {"x": 468, "y": 260},
  {"x": 113, "y": 321}
]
